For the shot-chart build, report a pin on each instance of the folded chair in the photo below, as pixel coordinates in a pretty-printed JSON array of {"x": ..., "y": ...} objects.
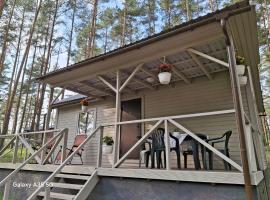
[{"x": 77, "y": 142}]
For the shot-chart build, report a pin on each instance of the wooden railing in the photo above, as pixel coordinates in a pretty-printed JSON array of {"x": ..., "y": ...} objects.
[
  {"x": 23, "y": 141},
  {"x": 34, "y": 154},
  {"x": 171, "y": 119},
  {"x": 58, "y": 170}
]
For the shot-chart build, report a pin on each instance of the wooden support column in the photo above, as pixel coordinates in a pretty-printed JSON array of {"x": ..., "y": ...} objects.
[
  {"x": 238, "y": 105},
  {"x": 167, "y": 144},
  {"x": 99, "y": 157},
  {"x": 117, "y": 119}
]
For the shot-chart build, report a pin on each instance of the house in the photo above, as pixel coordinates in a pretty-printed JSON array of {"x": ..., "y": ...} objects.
[{"x": 205, "y": 96}]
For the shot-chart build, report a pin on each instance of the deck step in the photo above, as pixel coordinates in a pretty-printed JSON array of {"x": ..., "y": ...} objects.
[
  {"x": 67, "y": 186},
  {"x": 56, "y": 195},
  {"x": 70, "y": 176}
]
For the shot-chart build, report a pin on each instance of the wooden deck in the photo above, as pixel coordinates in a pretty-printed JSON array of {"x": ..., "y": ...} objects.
[{"x": 217, "y": 177}]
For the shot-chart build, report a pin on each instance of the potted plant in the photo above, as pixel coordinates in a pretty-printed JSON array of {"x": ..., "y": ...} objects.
[
  {"x": 165, "y": 74},
  {"x": 107, "y": 147},
  {"x": 241, "y": 66},
  {"x": 85, "y": 105},
  {"x": 240, "y": 62}
]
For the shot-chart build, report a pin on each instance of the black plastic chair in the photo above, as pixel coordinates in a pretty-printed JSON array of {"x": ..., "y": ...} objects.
[
  {"x": 225, "y": 150},
  {"x": 158, "y": 147}
]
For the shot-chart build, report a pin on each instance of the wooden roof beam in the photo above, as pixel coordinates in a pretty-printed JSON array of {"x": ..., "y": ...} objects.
[
  {"x": 132, "y": 75},
  {"x": 200, "y": 65},
  {"x": 208, "y": 57},
  {"x": 107, "y": 83},
  {"x": 97, "y": 89},
  {"x": 145, "y": 84},
  {"x": 149, "y": 73}
]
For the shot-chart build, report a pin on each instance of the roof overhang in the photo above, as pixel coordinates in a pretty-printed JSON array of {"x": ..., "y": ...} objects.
[{"x": 204, "y": 34}]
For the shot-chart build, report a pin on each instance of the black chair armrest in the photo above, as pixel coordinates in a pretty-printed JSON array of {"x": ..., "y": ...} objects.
[
  {"x": 217, "y": 138},
  {"x": 217, "y": 141},
  {"x": 176, "y": 140}
]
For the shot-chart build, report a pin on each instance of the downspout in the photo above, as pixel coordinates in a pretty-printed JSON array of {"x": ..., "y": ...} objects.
[{"x": 238, "y": 104}]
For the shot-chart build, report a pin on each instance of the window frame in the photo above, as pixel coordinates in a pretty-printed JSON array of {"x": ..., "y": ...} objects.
[{"x": 94, "y": 110}]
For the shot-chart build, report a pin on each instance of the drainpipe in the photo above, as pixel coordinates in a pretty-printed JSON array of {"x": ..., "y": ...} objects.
[{"x": 238, "y": 104}]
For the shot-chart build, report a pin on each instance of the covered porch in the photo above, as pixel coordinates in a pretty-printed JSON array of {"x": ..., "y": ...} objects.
[
  {"x": 203, "y": 97},
  {"x": 202, "y": 56}
]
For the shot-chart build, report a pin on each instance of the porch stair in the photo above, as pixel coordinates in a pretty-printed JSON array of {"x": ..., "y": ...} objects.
[
  {"x": 75, "y": 186},
  {"x": 70, "y": 189}
]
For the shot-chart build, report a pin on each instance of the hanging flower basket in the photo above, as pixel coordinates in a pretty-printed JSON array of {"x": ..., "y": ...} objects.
[
  {"x": 165, "y": 74},
  {"x": 84, "y": 104}
]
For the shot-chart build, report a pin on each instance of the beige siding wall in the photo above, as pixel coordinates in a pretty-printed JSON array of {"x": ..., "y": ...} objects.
[{"x": 200, "y": 96}]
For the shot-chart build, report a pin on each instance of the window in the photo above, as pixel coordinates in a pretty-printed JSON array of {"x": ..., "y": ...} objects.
[{"x": 87, "y": 122}]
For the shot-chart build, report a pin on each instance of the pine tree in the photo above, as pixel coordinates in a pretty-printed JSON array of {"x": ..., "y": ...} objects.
[{"x": 25, "y": 55}]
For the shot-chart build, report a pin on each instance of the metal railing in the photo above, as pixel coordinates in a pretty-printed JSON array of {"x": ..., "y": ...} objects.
[{"x": 34, "y": 154}]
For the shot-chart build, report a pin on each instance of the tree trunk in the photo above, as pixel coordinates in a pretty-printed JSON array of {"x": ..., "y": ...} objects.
[
  {"x": 46, "y": 66},
  {"x": 92, "y": 32},
  {"x": 17, "y": 108},
  {"x": 48, "y": 116},
  {"x": 188, "y": 10},
  {"x": 25, "y": 55},
  {"x": 151, "y": 17},
  {"x": 27, "y": 90},
  {"x": 5, "y": 39},
  {"x": 123, "y": 36},
  {"x": 37, "y": 113},
  {"x": 106, "y": 40},
  {"x": 29, "y": 112},
  {"x": 2, "y": 4},
  {"x": 212, "y": 7},
  {"x": 71, "y": 32}
]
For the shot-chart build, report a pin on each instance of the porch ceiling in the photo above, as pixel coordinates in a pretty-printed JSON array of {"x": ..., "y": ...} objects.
[{"x": 181, "y": 61}]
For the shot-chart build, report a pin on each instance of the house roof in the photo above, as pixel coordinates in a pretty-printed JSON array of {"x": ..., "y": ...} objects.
[
  {"x": 69, "y": 100},
  {"x": 203, "y": 34},
  {"x": 189, "y": 25}
]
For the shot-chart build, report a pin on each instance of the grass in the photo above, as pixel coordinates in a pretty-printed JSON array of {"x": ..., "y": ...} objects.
[
  {"x": 10, "y": 198},
  {"x": 8, "y": 155}
]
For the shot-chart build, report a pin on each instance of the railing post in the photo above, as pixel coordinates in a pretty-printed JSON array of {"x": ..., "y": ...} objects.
[
  {"x": 250, "y": 149},
  {"x": 15, "y": 153},
  {"x": 167, "y": 144},
  {"x": 7, "y": 190},
  {"x": 43, "y": 142},
  {"x": 64, "y": 146},
  {"x": 47, "y": 193},
  {"x": 99, "y": 157}
]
